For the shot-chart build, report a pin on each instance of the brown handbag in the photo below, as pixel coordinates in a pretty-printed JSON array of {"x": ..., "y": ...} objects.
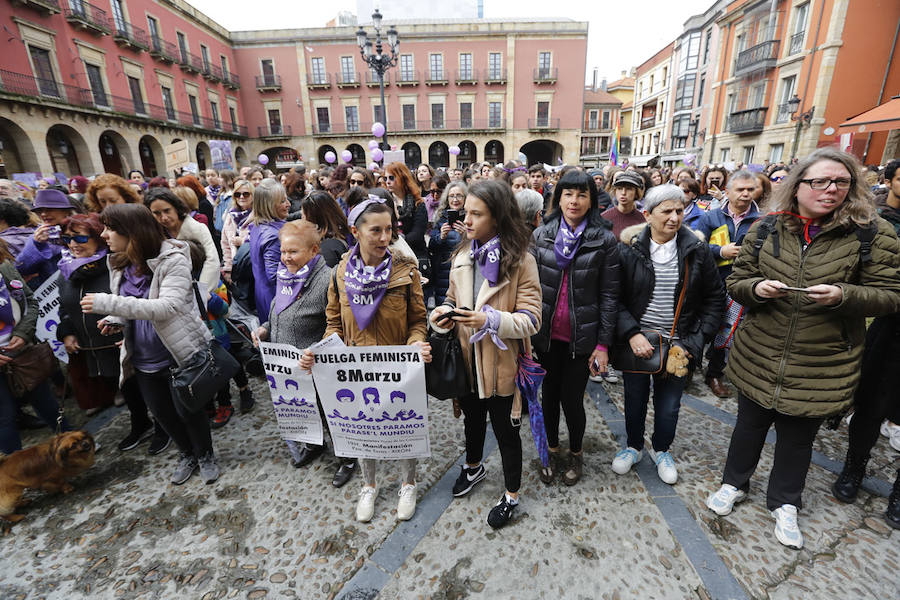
[{"x": 29, "y": 367}]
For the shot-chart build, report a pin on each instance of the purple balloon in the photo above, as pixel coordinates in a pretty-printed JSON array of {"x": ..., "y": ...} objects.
[
  {"x": 373, "y": 144},
  {"x": 454, "y": 150},
  {"x": 346, "y": 156},
  {"x": 263, "y": 159},
  {"x": 373, "y": 166},
  {"x": 378, "y": 130},
  {"x": 330, "y": 157},
  {"x": 377, "y": 154}
]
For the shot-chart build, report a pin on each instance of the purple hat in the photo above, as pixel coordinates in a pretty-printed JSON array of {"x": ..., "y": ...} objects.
[{"x": 51, "y": 199}]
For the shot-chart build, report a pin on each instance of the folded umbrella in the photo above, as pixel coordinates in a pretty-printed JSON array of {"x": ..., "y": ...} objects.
[{"x": 528, "y": 379}]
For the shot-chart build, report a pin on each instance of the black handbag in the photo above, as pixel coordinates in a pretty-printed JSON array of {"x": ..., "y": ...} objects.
[
  {"x": 205, "y": 373},
  {"x": 447, "y": 375}
]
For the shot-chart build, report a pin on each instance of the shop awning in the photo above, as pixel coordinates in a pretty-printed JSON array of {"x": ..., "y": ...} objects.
[{"x": 884, "y": 117}]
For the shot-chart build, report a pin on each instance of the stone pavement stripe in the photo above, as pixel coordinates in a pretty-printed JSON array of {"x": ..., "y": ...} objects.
[
  {"x": 716, "y": 577},
  {"x": 368, "y": 581},
  {"x": 873, "y": 485},
  {"x": 94, "y": 425}
]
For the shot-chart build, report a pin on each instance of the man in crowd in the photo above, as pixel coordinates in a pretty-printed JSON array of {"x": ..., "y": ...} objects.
[
  {"x": 538, "y": 178},
  {"x": 628, "y": 189}
]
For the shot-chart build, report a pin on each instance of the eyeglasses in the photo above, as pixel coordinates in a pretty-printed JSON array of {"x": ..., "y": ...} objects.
[
  {"x": 457, "y": 196},
  {"x": 357, "y": 181},
  {"x": 78, "y": 239},
  {"x": 391, "y": 178},
  {"x": 824, "y": 184},
  {"x": 777, "y": 179},
  {"x": 242, "y": 195}
]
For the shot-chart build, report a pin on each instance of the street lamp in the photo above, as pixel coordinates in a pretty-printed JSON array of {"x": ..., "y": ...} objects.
[
  {"x": 378, "y": 61},
  {"x": 802, "y": 119},
  {"x": 656, "y": 140}
]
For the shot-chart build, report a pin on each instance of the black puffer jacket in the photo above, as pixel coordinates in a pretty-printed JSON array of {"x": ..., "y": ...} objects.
[
  {"x": 593, "y": 292},
  {"x": 704, "y": 301},
  {"x": 89, "y": 279}
]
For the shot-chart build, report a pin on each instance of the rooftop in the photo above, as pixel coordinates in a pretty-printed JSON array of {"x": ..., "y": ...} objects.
[{"x": 599, "y": 97}]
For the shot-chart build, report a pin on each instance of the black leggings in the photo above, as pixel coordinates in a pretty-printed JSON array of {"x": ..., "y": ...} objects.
[
  {"x": 223, "y": 397},
  {"x": 564, "y": 386},
  {"x": 190, "y": 432},
  {"x": 475, "y": 411}
]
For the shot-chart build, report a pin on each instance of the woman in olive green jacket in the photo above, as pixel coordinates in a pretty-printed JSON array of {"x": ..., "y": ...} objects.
[{"x": 826, "y": 263}]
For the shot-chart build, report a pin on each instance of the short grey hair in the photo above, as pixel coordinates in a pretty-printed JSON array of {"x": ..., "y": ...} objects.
[
  {"x": 530, "y": 203},
  {"x": 661, "y": 193},
  {"x": 739, "y": 175}
]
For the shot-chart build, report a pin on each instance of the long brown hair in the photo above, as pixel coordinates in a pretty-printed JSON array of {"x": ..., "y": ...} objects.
[
  {"x": 145, "y": 234},
  {"x": 408, "y": 185},
  {"x": 323, "y": 212},
  {"x": 858, "y": 206},
  {"x": 108, "y": 180},
  {"x": 515, "y": 237}
]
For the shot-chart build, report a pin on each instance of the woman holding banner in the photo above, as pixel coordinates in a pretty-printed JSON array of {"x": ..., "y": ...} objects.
[
  {"x": 497, "y": 276},
  {"x": 375, "y": 299}
]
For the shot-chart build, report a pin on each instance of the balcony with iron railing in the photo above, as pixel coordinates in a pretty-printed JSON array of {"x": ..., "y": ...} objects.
[
  {"x": 318, "y": 81},
  {"x": 426, "y": 125},
  {"x": 546, "y": 74},
  {"x": 543, "y": 124},
  {"x": 372, "y": 79},
  {"x": 163, "y": 51},
  {"x": 751, "y": 120},
  {"x": 796, "y": 46},
  {"x": 648, "y": 122},
  {"x": 268, "y": 83},
  {"x": 784, "y": 113},
  {"x": 760, "y": 57},
  {"x": 406, "y": 77},
  {"x": 40, "y": 89},
  {"x": 466, "y": 77},
  {"x": 494, "y": 76},
  {"x": 212, "y": 72},
  {"x": 88, "y": 17},
  {"x": 437, "y": 77},
  {"x": 127, "y": 35},
  {"x": 47, "y": 7},
  {"x": 347, "y": 80},
  {"x": 232, "y": 80},
  {"x": 274, "y": 131},
  {"x": 596, "y": 127},
  {"x": 189, "y": 62}
]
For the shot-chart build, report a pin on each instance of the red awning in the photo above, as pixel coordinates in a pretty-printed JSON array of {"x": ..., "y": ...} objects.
[{"x": 881, "y": 118}]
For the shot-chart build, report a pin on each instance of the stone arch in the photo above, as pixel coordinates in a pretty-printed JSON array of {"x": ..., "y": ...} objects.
[
  {"x": 549, "y": 152},
  {"x": 468, "y": 154},
  {"x": 69, "y": 153},
  {"x": 359, "y": 155},
  {"x": 240, "y": 157},
  {"x": 412, "y": 155},
  {"x": 203, "y": 156},
  {"x": 323, "y": 149},
  {"x": 152, "y": 155},
  {"x": 493, "y": 152},
  {"x": 17, "y": 150},
  {"x": 439, "y": 155}
]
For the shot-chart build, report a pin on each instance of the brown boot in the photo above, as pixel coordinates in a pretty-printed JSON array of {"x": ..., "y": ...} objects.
[
  {"x": 548, "y": 473},
  {"x": 573, "y": 474},
  {"x": 718, "y": 387}
]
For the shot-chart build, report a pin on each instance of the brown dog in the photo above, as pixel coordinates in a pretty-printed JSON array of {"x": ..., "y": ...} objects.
[{"x": 46, "y": 466}]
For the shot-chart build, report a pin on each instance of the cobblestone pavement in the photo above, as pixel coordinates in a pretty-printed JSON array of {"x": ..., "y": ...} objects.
[{"x": 266, "y": 530}]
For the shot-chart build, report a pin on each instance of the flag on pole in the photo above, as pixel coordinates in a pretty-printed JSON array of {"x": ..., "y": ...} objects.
[{"x": 614, "y": 147}]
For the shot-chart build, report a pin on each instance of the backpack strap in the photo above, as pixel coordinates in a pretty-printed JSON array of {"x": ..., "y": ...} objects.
[
  {"x": 766, "y": 227},
  {"x": 866, "y": 235}
]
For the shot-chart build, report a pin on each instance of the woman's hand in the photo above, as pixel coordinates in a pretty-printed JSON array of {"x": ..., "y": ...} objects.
[
  {"x": 436, "y": 317},
  {"x": 770, "y": 288},
  {"x": 445, "y": 229},
  {"x": 42, "y": 233},
  {"x": 87, "y": 303},
  {"x": 640, "y": 346},
  {"x": 107, "y": 328},
  {"x": 71, "y": 344},
  {"x": 307, "y": 360},
  {"x": 260, "y": 335},
  {"x": 470, "y": 318},
  {"x": 825, "y": 294},
  {"x": 460, "y": 227},
  {"x": 598, "y": 361},
  {"x": 15, "y": 343},
  {"x": 425, "y": 349}
]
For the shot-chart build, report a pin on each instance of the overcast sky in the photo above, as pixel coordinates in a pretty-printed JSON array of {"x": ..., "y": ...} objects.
[{"x": 621, "y": 34}]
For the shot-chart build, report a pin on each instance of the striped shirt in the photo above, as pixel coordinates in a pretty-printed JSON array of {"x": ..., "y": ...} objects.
[{"x": 660, "y": 312}]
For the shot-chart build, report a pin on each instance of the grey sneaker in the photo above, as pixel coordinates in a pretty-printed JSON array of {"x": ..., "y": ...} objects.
[
  {"x": 209, "y": 467},
  {"x": 186, "y": 466}
]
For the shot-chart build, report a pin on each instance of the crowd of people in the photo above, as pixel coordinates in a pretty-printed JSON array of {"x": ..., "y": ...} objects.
[{"x": 768, "y": 274}]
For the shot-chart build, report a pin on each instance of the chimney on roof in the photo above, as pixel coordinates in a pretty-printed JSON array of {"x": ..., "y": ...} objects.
[
  {"x": 603, "y": 84},
  {"x": 594, "y": 83},
  {"x": 624, "y": 73}
]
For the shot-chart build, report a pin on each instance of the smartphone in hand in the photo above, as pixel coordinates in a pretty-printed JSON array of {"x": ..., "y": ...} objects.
[{"x": 452, "y": 216}]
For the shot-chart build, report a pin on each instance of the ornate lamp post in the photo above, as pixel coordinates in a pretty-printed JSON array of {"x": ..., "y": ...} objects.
[
  {"x": 802, "y": 119},
  {"x": 378, "y": 60}
]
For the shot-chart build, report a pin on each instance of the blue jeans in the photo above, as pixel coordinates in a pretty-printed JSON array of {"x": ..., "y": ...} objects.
[
  {"x": 667, "y": 391},
  {"x": 41, "y": 398}
]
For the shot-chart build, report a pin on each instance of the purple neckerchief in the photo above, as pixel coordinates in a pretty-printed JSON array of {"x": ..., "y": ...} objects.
[
  {"x": 487, "y": 257},
  {"x": 490, "y": 327},
  {"x": 289, "y": 285},
  {"x": 133, "y": 285},
  {"x": 366, "y": 286},
  {"x": 68, "y": 264},
  {"x": 7, "y": 319},
  {"x": 239, "y": 216},
  {"x": 213, "y": 192},
  {"x": 567, "y": 242}
]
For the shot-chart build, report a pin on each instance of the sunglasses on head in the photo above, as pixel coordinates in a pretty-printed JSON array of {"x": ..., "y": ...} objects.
[
  {"x": 243, "y": 194},
  {"x": 78, "y": 239}
]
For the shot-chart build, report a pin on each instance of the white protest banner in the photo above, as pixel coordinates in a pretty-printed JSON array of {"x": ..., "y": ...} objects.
[
  {"x": 374, "y": 401},
  {"x": 48, "y": 317},
  {"x": 293, "y": 394}
]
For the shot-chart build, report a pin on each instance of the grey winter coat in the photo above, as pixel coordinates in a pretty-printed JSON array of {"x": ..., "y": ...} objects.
[
  {"x": 171, "y": 305},
  {"x": 302, "y": 324}
]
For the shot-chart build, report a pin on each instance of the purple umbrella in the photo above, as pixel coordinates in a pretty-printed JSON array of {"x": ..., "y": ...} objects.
[{"x": 528, "y": 379}]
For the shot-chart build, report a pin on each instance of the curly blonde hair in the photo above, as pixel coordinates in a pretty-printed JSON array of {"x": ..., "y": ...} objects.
[{"x": 122, "y": 187}]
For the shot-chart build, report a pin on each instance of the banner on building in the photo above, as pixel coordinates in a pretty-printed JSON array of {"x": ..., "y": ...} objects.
[
  {"x": 48, "y": 317},
  {"x": 221, "y": 154},
  {"x": 293, "y": 394},
  {"x": 374, "y": 401}
]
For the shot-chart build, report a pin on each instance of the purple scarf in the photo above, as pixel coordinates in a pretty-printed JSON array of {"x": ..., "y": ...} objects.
[
  {"x": 68, "y": 264},
  {"x": 7, "y": 319},
  {"x": 133, "y": 285},
  {"x": 289, "y": 285},
  {"x": 567, "y": 242},
  {"x": 487, "y": 257},
  {"x": 239, "y": 217},
  {"x": 366, "y": 286}
]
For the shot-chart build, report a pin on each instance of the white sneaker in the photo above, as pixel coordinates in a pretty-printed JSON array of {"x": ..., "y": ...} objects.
[
  {"x": 365, "y": 508},
  {"x": 665, "y": 467},
  {"x": 596, "y": 378},
  {"x": 610, "y": 377},
  {"x": 895, "y": 437},
  {"x": 406, "y": 506},
  {"x": 786, "y": 529},
  {"x": 723, "y": 501},
  {"x": 625, "y": 459}
]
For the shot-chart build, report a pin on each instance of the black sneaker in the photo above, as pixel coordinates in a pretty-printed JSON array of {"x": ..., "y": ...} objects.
[
  {"x": 134, "y": 438},
  {"x": 247, "y": 401},
  {"x": 159, "y": 443},
  {"x": 467, "y": 479},
  {"x": 501, "y": 514}
]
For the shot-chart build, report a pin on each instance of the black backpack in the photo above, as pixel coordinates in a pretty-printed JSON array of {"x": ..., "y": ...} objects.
[
  {"x": 865, "y": 235},
  {"x": 242, "y": 282}
]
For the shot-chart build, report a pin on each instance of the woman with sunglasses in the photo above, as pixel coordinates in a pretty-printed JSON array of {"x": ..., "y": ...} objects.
[
  {"x": 807, "y": 291},
  {"x": 360, "y": 177},
  {"x": 236, "y": 227}
]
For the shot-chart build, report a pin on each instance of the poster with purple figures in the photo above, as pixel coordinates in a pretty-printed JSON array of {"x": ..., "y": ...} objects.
[
  {"x": 374, "y": 401},
  {"x": 293, "y": 394}
]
